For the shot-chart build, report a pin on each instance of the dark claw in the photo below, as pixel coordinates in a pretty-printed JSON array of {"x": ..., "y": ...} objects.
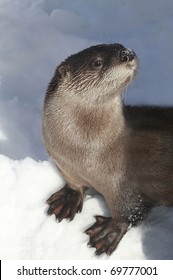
[
  {"x": 100, "y": 251},
  {"x": 93, "y": 230},
  {"x": 53, "y": 209},
  {"x": 102, "y": 219},
  {"x": 105, "y": 234},
  {"x": 65, "y": 204},
  {"x": 80, "y": 207}
]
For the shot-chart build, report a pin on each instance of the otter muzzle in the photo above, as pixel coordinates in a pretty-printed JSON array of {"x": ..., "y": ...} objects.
[{"x": 127, "y": 55}]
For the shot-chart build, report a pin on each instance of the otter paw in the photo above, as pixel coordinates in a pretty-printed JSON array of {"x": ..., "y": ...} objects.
[
  {"x": 105, "y": 234},
  {"x": 65, "y": 204}
]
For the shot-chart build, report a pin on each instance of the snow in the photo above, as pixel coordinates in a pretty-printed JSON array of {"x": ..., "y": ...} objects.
[{"x": 36, "y": 35}]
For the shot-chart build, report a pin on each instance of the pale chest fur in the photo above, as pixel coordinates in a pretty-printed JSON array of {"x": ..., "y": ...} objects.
[{"x": 83, "y": 144}]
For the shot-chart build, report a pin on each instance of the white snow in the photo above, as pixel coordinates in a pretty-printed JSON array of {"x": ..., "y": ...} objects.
[{"x": 36, "y": 35}]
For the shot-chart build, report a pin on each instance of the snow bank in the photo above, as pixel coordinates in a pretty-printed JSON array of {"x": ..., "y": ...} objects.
[{"x": 28, "y": 233}]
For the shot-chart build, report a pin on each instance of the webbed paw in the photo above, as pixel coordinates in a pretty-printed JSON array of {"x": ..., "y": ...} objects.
[
  {"x": 105, "y": 234},
  {"x": 65, "y": 204}
]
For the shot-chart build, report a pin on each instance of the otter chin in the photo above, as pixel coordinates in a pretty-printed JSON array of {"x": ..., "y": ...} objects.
[{"x": 97, "y": 142}]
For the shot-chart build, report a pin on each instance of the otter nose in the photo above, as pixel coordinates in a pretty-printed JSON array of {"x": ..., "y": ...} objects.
[{"x": 127, "y": 55}]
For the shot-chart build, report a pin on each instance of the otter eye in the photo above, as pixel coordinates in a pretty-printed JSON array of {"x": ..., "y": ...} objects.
[{"x": 97, "y": 63}]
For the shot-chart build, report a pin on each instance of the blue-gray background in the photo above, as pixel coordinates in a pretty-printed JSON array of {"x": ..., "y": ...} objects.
[{"x": 36, "y": 35}]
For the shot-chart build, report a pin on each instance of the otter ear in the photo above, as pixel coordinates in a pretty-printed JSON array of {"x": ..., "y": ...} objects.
[{"x": 63, "y": 70}]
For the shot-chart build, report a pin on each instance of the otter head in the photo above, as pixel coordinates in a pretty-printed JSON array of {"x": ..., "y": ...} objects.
[{"x": 95, "y": 74}]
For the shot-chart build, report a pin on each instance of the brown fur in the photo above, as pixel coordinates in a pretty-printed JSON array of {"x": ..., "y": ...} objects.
[{"x": 126, "y": 154}]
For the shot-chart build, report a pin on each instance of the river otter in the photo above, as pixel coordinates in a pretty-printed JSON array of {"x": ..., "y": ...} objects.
[{"x": 95, "y": 141}]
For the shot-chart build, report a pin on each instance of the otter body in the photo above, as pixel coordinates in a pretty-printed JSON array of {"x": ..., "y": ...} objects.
[{"x": 95, "y": 141}]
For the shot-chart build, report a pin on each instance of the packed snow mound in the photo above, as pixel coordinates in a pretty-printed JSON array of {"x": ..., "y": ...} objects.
[{"x": 28, "y": 233}]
